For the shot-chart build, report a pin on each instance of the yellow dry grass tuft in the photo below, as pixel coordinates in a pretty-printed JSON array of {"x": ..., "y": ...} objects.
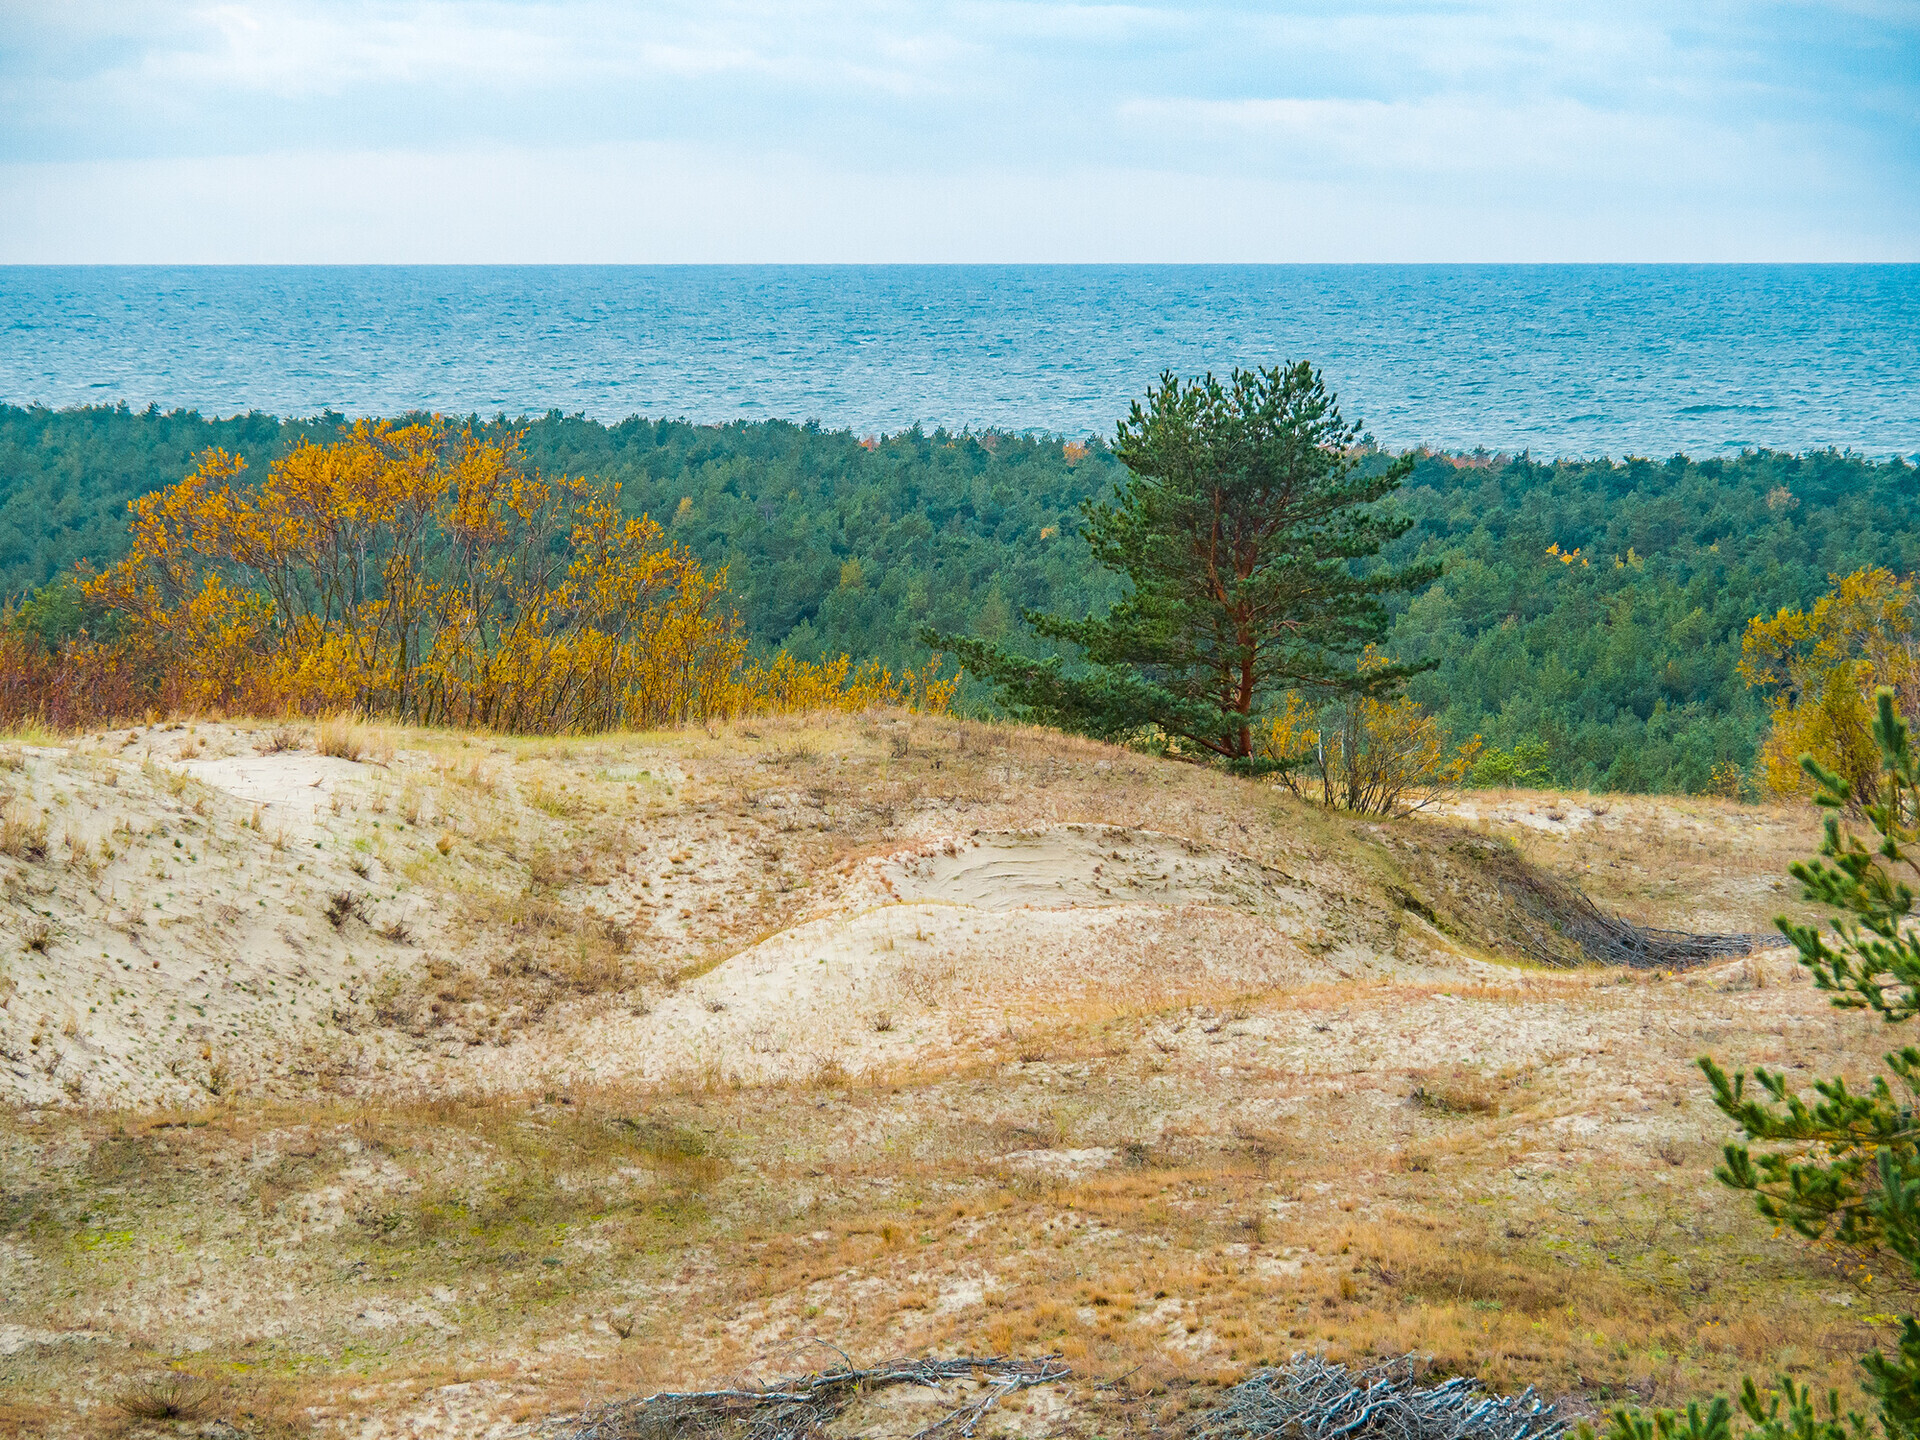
[{"x": 341, "y": 738}]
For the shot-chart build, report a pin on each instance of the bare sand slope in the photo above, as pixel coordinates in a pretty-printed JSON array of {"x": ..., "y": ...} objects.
[
  {"x": 1686, "y": 862},
  {"x": 296, "y": 788},
  {"x": 1082, "y": 865},
  {"x": 949, "y": 947},
  {"x": 163, "y": 932},
  {"x": 198, "y": 909}
]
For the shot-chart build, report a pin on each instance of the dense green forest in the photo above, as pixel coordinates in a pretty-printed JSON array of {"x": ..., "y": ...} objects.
[
  {"x": 1615, "y": 669},
  {"x": 1622, "y": 661}
]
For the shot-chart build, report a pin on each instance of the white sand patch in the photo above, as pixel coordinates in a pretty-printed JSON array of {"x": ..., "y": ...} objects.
[
  {"x": 15, "y": 1338},
  {"x": 295, "y": 785},
  {"x": 1061, "y": 1164},
  {"x": 468, "y": 1410},
  {"x": 1076, "y": 865},
  {"x": 952, "y": 944},
  {"x": 379, "y": 1317},
  {"x": 181, "y": 943},
  {"x": 967, "y": 1293},
  {"x": 913, "y": 983},
  {"x": 1549, "y": 814}
]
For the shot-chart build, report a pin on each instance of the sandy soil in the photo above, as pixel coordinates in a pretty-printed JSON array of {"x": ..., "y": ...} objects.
[
  {"x": 208, "y": 916},
  {"x": 936, "y": 950},
  {"x": 443, "y": 1090},
  {"x": 169, "y": 933},
  {"x": 1682, "y": 862}
]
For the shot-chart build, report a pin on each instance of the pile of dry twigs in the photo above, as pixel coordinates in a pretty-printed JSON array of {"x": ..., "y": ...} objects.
[
  {"x": 1310, "y": 1399},
  {"x": 1555, "y": 917},
  {"x": 800, "y": 1408}
]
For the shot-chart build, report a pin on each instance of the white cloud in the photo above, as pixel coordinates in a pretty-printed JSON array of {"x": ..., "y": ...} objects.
[
  {"x": 287, "y": 48},
  {"x": 670, "y": 204},
  {"x": 1528, "y": 130},
  {"x": 1543, "y": 146}
]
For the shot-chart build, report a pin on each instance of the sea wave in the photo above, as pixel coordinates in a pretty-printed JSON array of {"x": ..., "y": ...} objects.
[{"x": 1452, "y": 356}]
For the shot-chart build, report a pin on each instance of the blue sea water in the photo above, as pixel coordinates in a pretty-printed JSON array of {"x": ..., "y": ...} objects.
[{"x": 1559, "y": 360}]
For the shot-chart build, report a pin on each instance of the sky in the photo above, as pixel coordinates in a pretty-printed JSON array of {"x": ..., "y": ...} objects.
[{"x": 740, "y": 131}]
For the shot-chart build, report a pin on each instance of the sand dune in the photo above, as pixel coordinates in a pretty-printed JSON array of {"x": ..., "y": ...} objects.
[
  {"x": 444, "y": 1090},
  {"x": 208, "y": 911}
]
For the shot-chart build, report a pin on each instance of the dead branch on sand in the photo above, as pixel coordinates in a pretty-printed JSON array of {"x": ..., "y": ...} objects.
[
  {"x": 1569, "y": 915},
  {"x": 800, "y": 1408},
  {"x": 1552, "y": 921},
  {"x": 1312, "y": 1400}
]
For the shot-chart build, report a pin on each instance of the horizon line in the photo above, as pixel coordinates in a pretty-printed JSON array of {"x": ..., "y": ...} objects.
[{"x": 949, "y": 264}]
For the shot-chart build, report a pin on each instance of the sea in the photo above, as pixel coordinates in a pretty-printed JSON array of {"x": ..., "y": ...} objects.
[{"x": 1557, "y": 360}]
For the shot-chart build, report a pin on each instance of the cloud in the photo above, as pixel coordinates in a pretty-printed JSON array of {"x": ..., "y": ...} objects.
[
  {"x": 1549, "y": 149},
  {"x": 223, "y": 53},
  {"x": 672, "y": 203},
  {"x": 1717, "y": 123}
]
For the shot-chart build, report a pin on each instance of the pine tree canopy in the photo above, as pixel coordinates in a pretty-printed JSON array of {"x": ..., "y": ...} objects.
[{"x": 1239, "y": 529}]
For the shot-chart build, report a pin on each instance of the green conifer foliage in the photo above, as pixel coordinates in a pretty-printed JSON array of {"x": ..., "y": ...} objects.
[{"x": 1238, "y": 530}]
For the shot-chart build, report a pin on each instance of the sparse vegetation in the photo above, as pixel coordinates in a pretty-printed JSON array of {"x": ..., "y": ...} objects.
[
  {"x": 23, "y": 835},
  {"x": 172, "y": 1395},
  {"x": 1155, "y": 1116},
  {"x": 1456, "y": 1091},
  {"x": 279, "y": 739},
  {"x": 340, "y": 738},
  {"x": 343, "y": 906},
  {"x": 1841, "y": 1170}
]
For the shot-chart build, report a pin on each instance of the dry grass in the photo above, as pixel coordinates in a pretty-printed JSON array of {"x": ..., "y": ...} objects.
[
  {"x": 1456, "y": 1091},
  {"x": 23, "y": 835},
  {"x": 719, "y": 1221},
  {"x": 1687, "y": 862},
  {"x": 170, "y": 1395},
  {"x": 452, "y": 1204},
  {"x": 279, "y": 739},
  {"x": 341, "y": 738}
]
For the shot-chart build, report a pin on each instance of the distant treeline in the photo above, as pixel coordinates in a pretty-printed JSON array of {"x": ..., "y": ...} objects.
[{"x": 1590, "y": 612}]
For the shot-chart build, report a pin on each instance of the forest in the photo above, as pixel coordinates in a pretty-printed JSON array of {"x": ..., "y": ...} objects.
[{"x": 1587, "y": 623}]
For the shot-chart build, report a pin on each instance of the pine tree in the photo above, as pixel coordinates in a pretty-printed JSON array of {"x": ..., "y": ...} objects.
[
  {"x": 1238, "y": 529},
  {"x": 1840, "y": 1165}
]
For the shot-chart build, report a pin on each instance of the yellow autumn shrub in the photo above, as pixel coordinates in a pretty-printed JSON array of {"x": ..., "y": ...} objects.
[
  {"x": 1823, "y": 665},
  {"x": 1373, "y": 754},
  {"x": 430, "y": 576}
]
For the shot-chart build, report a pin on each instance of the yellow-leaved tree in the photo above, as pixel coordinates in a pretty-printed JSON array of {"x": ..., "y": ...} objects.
[
  {"x": 1823, "y": 666},
  {"x": 429, "y": 575}
]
